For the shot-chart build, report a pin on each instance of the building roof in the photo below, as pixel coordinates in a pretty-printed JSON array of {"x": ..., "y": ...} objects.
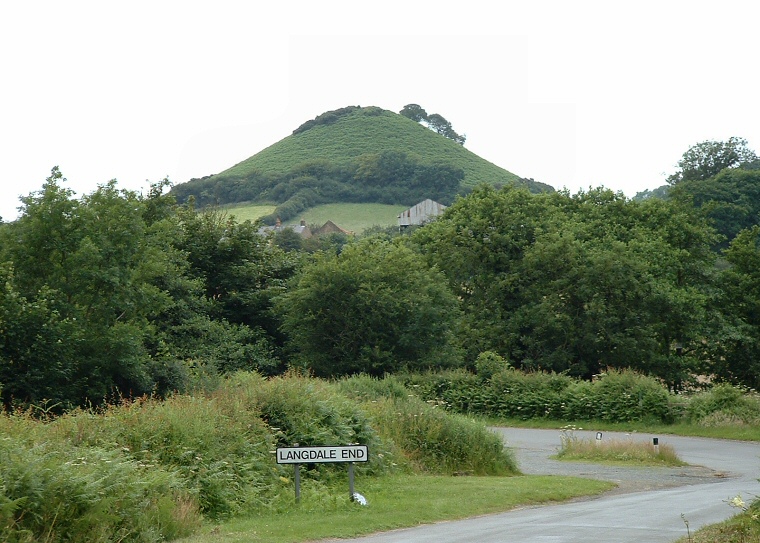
[{"x": 421, "y": 213}]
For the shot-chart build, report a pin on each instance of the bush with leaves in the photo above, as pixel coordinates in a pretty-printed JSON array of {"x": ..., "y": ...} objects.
[
  {"x": 55, "y": 493},
  {"x": 724, "y": 404},
  {"x": 311, "y": 413},
  {"x": 438, "y": 442},
  {"x": 375, "y": 308}
]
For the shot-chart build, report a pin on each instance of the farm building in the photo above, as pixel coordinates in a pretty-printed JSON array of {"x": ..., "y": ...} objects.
[
  {"x": 330, "y": 228},
  {"x": 421, "y": 213},
  {"x": 302, "y": 229}
]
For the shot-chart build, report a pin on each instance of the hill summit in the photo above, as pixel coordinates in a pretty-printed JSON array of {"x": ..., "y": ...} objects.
[{"x": 353, "y": 154}]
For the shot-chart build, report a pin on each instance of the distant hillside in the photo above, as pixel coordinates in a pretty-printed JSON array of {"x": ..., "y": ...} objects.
[{"x": 354, "y": 154}]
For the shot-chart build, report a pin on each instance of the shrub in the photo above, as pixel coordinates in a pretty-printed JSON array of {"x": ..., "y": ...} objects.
[
  {"x": 364, "y": 387},
  {"x": 723, "y": 405},
  {"x": 311, "y": 412},
  {"x": 220, "y": 451},
  {"x": 438, "y": 442},
  {"x": 489, "y": 363},
  {"x": 89, "y": 495},
  {"x": 619, "y": 396}
]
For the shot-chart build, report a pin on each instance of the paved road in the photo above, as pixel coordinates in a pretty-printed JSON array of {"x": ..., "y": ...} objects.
[{"x": 627, "y": 515}]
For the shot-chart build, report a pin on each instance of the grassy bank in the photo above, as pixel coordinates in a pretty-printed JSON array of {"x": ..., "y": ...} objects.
[
  {"x": 154, "y": 470},
  {"x": 398, "y": 501},
  {"x": 158, "y": 470}
]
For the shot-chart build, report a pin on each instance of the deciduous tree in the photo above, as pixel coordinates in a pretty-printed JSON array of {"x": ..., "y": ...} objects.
[
  {"x": 414, "y": 112},
  {"x": 709, "y": 158},
  {"x": 375, "y": 308}
]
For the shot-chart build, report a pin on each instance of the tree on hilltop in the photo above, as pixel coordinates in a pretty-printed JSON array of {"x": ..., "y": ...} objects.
[
  {"x": 434, "y": 122},
  {"x": 414, "y": 112},
  {"x": 709, "y": 158}
]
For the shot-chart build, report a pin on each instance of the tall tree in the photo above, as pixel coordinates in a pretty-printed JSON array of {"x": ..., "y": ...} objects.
[
  {"x": 414, "y": 112},
  {"x": 709, "y": 158},
  {"x": 375, "y": 308},
  {"x": 115, "y": 294},
  {"x": 729, "y": 199},
  {"x": 89, "y": 266},
  {"x": 736, "y": 357},
  {"x": 576, "y": 283}
]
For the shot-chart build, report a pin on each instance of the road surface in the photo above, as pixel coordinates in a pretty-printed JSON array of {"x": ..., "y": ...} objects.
[{"x": 647, "y": 506}]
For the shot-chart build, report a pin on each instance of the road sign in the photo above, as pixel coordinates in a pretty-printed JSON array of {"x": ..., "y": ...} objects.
[{"x": 316, "y": 455}]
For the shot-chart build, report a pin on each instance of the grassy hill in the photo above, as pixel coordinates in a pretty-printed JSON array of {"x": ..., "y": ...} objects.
[
  {"x": 353, "y": 155},
  {"x": 368, "y": 130}
]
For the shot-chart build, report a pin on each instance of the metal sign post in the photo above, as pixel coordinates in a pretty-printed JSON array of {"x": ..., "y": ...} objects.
[
  {"x": 315, "y": 455},
  {"x": 351, "y": 481}
]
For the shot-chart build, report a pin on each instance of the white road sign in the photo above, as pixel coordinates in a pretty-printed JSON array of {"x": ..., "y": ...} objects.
[{"x": 315, "y": 455}]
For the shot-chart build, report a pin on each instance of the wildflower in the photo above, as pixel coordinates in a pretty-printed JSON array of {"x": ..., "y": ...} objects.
[{"x": 737, "y": 502}]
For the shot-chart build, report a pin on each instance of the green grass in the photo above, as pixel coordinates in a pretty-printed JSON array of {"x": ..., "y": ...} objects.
[
  {"x": 354, "y": 217},
  {"x": 741, "y": 528},
  {"x": 398, "y": 502},
  {"x": 248, "y": 212},
  {"x": 362, "y": 132}
]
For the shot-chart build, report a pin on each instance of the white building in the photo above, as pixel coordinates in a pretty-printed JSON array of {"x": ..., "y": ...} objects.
[{"x": 421, "y": 213}]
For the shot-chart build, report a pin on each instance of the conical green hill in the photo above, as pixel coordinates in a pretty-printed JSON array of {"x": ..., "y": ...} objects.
[
  {"x": 369, "y": 130},
  {"x": 337, "y": 140}
]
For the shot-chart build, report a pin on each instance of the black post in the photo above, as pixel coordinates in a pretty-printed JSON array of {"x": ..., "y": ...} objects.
[{"x": 351, "y": 481}]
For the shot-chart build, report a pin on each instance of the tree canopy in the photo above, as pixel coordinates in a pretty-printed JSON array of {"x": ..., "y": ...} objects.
[
  {"x": 376, "y": 308},
  {"x": 435, "y": 122},
  {"x": 575, "y": 284},
  {"x": 708, "y": 158},
  {"x": 115, "y": 294}
]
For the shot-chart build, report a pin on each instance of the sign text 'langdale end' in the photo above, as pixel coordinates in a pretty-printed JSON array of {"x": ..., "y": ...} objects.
[{"x": 314, "y": 455}]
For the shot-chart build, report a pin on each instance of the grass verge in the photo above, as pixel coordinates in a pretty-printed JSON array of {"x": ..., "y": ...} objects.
[
  {"x": 398, "y": 501},
  {"x": 741, "y": 528},
  {"x": 617, "y": 452}
]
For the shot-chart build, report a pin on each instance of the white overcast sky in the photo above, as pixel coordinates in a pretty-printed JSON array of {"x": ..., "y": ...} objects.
[{"x": 575, "y": 94}]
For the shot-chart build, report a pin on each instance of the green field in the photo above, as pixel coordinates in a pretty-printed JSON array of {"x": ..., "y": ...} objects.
[
  {"x": 352, "y": 217},
  {"x": 248, "y": 212}
]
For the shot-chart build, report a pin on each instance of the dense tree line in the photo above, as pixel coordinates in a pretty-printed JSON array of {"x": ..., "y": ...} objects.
[
  {"x": 121, "y": 294},
  {"x": 117, "y": 293},
  {"x": 389, "y": 177}
]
